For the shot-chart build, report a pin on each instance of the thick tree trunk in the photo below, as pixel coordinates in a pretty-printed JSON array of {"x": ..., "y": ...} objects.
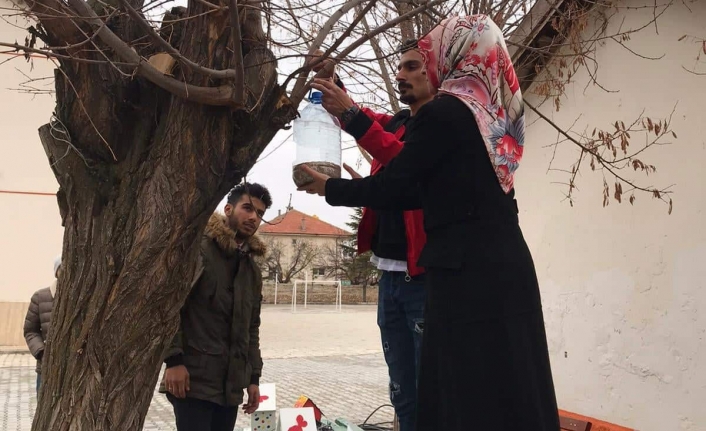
[{"x": 140, "y": 172}]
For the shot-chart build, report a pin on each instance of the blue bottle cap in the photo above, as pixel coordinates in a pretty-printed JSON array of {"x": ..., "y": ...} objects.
[{"x": 315, "y": 97}]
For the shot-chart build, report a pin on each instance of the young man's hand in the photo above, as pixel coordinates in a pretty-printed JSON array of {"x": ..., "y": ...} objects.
[
  {"x": 176, "y": 380},
  {"x": 320, "y": 65},
  {"x": 333, "y": 99},
  {"x": 253, "y": 399}
]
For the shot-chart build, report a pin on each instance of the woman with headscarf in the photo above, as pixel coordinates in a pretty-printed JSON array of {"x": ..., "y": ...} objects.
[{"x": 485, "y": 363}]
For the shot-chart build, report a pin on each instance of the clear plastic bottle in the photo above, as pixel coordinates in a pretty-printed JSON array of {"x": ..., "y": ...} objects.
[{"x": 317, "y": 136}]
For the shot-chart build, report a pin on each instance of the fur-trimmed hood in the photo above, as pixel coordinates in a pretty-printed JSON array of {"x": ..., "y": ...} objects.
[{"x": 217, "y": 229}]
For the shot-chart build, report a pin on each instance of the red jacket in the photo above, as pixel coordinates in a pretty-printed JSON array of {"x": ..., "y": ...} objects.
[{"x": 384, "y": 146}]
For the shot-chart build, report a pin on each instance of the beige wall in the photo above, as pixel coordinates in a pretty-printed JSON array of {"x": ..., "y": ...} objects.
[
  {"x": 623, "y": 287},
  {"x": 12, "y": 316},
  {"x": 30, "y": 226}
]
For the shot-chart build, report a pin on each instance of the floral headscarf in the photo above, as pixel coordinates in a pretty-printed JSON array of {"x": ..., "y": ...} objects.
[{"x": 466, "y": 57}]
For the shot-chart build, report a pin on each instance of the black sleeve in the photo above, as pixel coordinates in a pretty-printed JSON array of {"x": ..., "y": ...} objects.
[
  {"x": 397, "y": 186},
  {"x": 341, "y": 192}
]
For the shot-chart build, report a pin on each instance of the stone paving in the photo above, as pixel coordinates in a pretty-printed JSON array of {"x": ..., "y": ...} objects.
[{"x": 334, "y": 358}]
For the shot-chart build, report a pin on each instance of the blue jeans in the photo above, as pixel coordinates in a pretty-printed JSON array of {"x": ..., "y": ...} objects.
[
  {"x": 401, "y": 322},
  {"x": 39, "y": 382}
]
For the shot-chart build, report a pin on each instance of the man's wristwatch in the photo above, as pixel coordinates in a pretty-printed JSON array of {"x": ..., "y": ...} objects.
[{"x": 348, "y": 115}]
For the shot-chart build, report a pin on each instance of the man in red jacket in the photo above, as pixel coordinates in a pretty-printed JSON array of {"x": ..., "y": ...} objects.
[{"x": 395, "y": 237}]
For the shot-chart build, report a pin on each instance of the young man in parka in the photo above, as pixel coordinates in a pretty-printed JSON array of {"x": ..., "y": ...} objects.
[{"x": 215, "y": 354}]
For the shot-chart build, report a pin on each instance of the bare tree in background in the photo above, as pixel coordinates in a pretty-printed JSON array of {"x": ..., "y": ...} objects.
[
  {"x": 289, "y": 261},
  {"x": 158, "y": 117},
  {"x": 343, "y": 262}
]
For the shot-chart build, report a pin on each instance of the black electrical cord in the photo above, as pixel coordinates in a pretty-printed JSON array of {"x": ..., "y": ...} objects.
[
  {"x": 370, "y": 427},
  {"x": 382, "y": 426}
]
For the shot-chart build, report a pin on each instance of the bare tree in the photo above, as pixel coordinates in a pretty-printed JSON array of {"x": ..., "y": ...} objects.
[
  {"x": 342, "y": 262},
  {"x": 289, "y": 261}
]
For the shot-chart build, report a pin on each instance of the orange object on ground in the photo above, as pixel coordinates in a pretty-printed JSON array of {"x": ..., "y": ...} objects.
[{"x": 594, "y": 424}]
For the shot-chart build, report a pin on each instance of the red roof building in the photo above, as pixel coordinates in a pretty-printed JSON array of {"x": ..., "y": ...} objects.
[{"x": 295, "y": 222}]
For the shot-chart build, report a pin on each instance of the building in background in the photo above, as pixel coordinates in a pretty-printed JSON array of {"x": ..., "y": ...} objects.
[
  {"x": 30, "y": 226},
  {"x": 300, "y": 245}
]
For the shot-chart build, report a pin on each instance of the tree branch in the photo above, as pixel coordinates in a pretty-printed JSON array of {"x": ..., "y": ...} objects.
[
  {"x": 316, "y": 44},
  {"x": 298, "y": 96},
  {"x": 215, "y": 96},
  {"x": 239, "y": 80},
  {"x": 51, "y": 13},
  {"x": 606, "y": 164},
  {"x": 368, "y": 158},
  {"x": 49, "y": 54},
  {"x": 328, "y": 70},
  {"x": 693, "y": 72},
  {"x": 352, "y": 47},
  {"x": 381, "y": 64},
  {"x": 152, "y": 33}
]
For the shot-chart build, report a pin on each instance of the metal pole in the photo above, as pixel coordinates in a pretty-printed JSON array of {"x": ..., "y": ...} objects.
[
  {"x": 276, "y": 286},
  {"x": 306, "y": 286},
  {"x": 294, "y": 297}
]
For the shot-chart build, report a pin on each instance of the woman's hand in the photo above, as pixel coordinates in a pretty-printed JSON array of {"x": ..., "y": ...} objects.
[
  {"x": 351, "y": 171},
  {"x": 318, "y": 186}
]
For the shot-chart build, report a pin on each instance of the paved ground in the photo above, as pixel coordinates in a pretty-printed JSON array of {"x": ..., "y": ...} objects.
[
  {"x": 334, "y": 358},
  {"x": 319, "y": 331}
]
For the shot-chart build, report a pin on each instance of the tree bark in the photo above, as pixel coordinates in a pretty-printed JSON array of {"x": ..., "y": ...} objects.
[
  {"x": 407, "y": 26},
  {"x": 140, "y": 171}
]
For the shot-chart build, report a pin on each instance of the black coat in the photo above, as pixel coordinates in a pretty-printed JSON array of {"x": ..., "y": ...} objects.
[{"x": 485, "y": 363}]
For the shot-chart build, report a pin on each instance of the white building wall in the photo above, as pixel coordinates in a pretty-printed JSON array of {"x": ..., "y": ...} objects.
[
  {"x": 30, "y": 225},
  {"x": 623, "y": 287}
]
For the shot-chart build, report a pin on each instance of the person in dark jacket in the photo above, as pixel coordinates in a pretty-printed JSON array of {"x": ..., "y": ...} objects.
[
  {"x": 38, "y": 320},
  {"x": 215, "y": 354},
  {"x": 485, "y": 362},
  {"x": 395, "y": 237}
]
